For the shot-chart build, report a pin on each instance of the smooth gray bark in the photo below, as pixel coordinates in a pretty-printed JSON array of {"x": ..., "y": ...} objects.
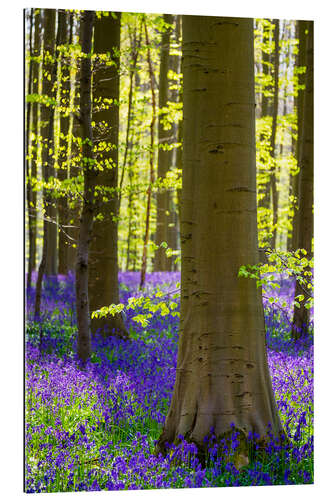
[{"x": 222, "y": 373}]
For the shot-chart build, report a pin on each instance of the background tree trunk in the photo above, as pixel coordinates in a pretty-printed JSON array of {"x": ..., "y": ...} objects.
[
  {"x": 293, "y": 179},
  {"x": 74, "y": 204},
  {"x": 301, "y": 63},
  {"x": 49, "y": 67},
  {"x": 273, "y": 176},
  {"x": 175, "y": 96},
  {"x": 151, "y": 163},
  {"x": 35, "y": 130},
  {"x": 305, "y": 211},
  {"x": 90, "y": 175},
  {"x": 161, "y": 261},
  {"x": 47, "y": 115},
  {"x": 65, "y": 37},
  {"x": 103, "y": 258},
  {"x": 222, "y": 372},
  {"x": 30, "y": 209}
]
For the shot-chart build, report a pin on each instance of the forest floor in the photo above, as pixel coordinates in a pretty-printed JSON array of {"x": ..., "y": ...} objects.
[{"x": 95, "y": 429}]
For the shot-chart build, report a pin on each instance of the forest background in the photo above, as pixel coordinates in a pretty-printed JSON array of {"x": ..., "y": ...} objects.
[{"x": 12, "y": 206}]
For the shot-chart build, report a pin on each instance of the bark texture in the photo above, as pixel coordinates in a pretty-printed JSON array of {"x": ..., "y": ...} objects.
[
  {"x": 305, "y": 210},
  {"x": 222, "y": 373},
  {"x": 90, "y": 174},
  {"x": 103, "y": 258},
  {"x": 161, "y": 261},
  {"x": 74, "y": 204},
  {"x": 301, "y": 63},
  {"x": 48, "y": 261},
  {"x": 47, "y": 115},
  {"x": 35, "y": 130},
  {"x": 28, "y": 162}
]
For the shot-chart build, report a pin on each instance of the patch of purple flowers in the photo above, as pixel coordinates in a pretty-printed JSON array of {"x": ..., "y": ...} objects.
[{"x": 95, "y": 429}]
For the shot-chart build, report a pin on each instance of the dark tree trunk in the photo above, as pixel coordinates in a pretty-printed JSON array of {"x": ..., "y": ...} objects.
[
  {"x": 305, "y": 211},
  {"x": 65, "y": 37},
  {"x": 293, "y": 179},
  {"x": 28, "y": 173},
  {"x": 35, "y": 130},
  {"x": 47, "y": 117},
  {"x": 90, "y": 175},
  {"x": 163, "y": 219},
  {"x": 74, "y": 204},
  {"x": 301, "y": 63},
  {"x": 103, "y": 258},
  {"x": 222, "y": 373}
]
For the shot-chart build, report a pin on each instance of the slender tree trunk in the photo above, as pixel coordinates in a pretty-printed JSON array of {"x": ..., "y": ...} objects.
[
  {"x": 103, "y": 258},
  {"x": 161, "y": 262},
  {"x": 35, "y": 130},
  {"x": 301, "y": 63},
  {"x": 273, "y": 177},
  {"x": 30, "y": 211},
  {"x": 175, "y": 96},
  {"x": 293, "y": 178},
  {"x": 130, "y": 211},
  {"x": 305, "y": 213},
  {"x": 47, "y": 114},
  {"x": 63, "y": 215},
  {"x": 264, "y": 188},
  {"x": 151, "y": 164},
  {"x": 266, "y": 72},
  {"x": 135, "y": 45},
  {"x": 222, "y": 373},
  {"x": 74, "y": 205},
  {"x": 90, "y": 176},
  {"x": 47, "y": 118}
]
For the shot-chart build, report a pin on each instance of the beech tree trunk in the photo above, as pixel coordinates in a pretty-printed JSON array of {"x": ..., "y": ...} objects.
[
  {"x": 47, "y": 115},
  {"x": 222, "y": 373},
  {"x": 305, "y": 211},
  {"x": 30, "y": 212},
  {"x": 90, "y": 176},
  {"x": 264, "y": 188},
  {"x": 135, "y": 46},
  {"x": 49, "y": 70},
  {"x": 293, "y": 179},
  {"x": 301, "y": 63},
  {"x": 103, "y": 258},
  {"x": 273, "y": 177},
  {"x": 130, "y": 210},
  {"x": 163, "y": 219},
  {"x": 266, "y": 71},
  {"x": 151, "y": 164},
  {"x": 34, "y": 145},
  {"x": 74, "y": 204},
  {"x": 175, "y": 96},
  {"x": 65, "y": 37}
]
